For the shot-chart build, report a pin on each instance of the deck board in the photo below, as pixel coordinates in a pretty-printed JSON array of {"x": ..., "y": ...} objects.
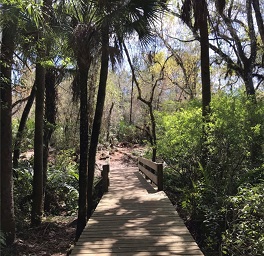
[{"x": 132, "y": 219}]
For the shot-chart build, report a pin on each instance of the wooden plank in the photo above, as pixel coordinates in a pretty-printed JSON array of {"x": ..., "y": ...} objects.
[
  {"x": 164, "y": 253},
  {"x": 130, "y": 221},
  {"x": 149, "y": 174},
  {"x": 129, "y": 242},
  {"x": 155, "y": 249},
  {"x": 149, "y": 163}
]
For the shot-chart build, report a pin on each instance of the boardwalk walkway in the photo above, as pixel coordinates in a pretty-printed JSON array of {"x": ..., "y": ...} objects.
[{"x": 134, "y": 219}]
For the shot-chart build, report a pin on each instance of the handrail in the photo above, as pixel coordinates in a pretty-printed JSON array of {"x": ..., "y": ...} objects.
[
  {"x": 105, "y": 178},
  {"x": 103, "y": 181},
  {"x": 152, "y": 170}
]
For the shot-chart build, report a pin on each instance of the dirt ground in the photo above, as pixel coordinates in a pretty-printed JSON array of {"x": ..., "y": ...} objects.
[{"x": 55, "y": 236}]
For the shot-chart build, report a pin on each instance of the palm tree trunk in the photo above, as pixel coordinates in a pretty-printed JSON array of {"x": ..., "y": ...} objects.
[
  {"x": 7, "y": 200},
  {"x": 153, "y": 133},
  {"x": 37, "y": 195},
  {"x": 97, "y": 117},
  {"x": 205, "y": 73},
  {"x": 205, "y": 64},
  {"x": 109, "y": 122},
  {"x": 22, "y": 126},
  {"x": 50, "y": 119},
  {"x": 259, "y": 19},
  {"x": 82, "y": 203}
]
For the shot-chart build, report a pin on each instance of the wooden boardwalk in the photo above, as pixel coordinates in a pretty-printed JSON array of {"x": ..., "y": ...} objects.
[{"x": 134, "y": 219}]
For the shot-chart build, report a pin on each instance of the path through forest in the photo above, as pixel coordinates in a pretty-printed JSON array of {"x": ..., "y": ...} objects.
[{"x": 54, "y": 237}]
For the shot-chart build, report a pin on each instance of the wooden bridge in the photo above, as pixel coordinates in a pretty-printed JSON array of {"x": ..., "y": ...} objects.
[{"x": 133, "y": 218}]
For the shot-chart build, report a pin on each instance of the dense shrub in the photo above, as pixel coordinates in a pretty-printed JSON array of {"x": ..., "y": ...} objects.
[
  {"x": 235, "y": 127},
  {"x": 245, "y": 235},
  {"x": 129, "y": 133},
  {"x": 62, "y": 184},
  {"x": 61, "y": 195}
]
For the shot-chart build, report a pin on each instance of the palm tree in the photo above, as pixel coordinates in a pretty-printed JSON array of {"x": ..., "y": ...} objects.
[
  {"x": 85, "y": 41},
  {"x": 9, "y": 30},
  {"x": 115, "y": 19},
  {"x": 200, "y": 12},
  {"x": 121, "y": 20}
]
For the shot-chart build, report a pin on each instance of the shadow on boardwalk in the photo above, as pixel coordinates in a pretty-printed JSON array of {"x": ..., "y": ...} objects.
[{"x": 134, "y": 219}]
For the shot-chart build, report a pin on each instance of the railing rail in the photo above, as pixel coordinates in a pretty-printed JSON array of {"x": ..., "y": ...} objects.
[
  {"x": 105, "y": 178},
  {"x": 152, "y": 170}
]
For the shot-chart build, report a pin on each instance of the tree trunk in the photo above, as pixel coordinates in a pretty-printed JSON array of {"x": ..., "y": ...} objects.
[
  {"x": 109, "y": 121},
  {"x": 153, "y": 133},
  {"x": 50, "y": 119},
  {"x": 259, "y": 19},
  {"x": 22, "y": 126},
  {"x": 205, "y": 64},
  {"x": 205, "y": 74},
  {"x": 131, "y": 102},
  {"x": 97, "y": 117},
  {"x": 37, "y": 195},
  {"x": 7, "y": 201},
  {"x": 82, "y": 203}
]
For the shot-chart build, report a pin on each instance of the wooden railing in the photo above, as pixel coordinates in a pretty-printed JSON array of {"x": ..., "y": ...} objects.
[
  {"x": 105, "y": 178},
  {"x": 152, "y": 170}
]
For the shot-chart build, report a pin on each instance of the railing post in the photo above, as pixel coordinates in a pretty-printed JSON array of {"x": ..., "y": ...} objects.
[
  {"x": 160, "y": 176},
  {"x": 105, "y": 182}
]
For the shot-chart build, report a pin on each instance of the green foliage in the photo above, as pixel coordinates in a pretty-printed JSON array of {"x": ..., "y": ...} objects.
[
  {"x": 2, "y": 239},
  {"x": 28, "y": 134},
  {"x": 179, "y": 139},
  {"x": 205, "y": 193},
  {"x": 61, "y": 195},
  {"x": 62, "y": 184},
  {"x": 245, "y": 235},
  {"x": 23, "y": 178},
  {"x": 129, "y": 133}
]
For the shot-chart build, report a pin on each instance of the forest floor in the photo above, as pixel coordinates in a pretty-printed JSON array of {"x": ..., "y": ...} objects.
[{"x": 55, "y": 236}]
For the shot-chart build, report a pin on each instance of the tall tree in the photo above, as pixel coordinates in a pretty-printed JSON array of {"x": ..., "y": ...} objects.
[
  {"x": 98, "y": 116},
  {"x": 22, "y": 125},
  {"x": 49, "y": 117},
  {"x": 37, "y": 195},
  {"x": 38, "y": 191},
  {"x": 259, "y": 19},
  {"x": 9, "y": 30},
  {"x": 200, "y": 12},
  {"x": 119, "y": 19},
  {"x": 103, "y": 18},
  {"x": 84, "y": 41},
  {"x": 152, "y": 62}
]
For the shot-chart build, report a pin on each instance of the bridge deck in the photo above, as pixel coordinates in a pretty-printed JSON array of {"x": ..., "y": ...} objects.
[{"x": 134, "y": 219}]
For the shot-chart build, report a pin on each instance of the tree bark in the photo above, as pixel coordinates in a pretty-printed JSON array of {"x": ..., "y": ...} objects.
[
  {"x": 131, "y": 102},
  {"x": 22, "y": 125},
  {"x": 97, "y": 117},
  {"x": 82, "y": 203},
  {"x": 37, "y": 195},
  {"x": 50, "y": 119},
  {"x": 7, "y": 200},
  {"x": 205, "y": 65},
  {"x": 109, "y": 121},
  {"x": 205, "y": 74},
  {"x": 153, "y": 132},
  {"x": 259, "y": 19}
]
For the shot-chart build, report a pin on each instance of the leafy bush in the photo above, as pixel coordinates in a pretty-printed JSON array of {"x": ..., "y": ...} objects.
[
  {"x": 23, "y": 178},
  {"x": 61, "y": 195},
  {"x": 129, "y": 133},
  {"x": 179, "y": 141},
  {"x": 62, "y": 184},
  {"x": 235, "y": 126},
  {"x": 28, "y": 134},
  {"x": 245, "y": 235},
  {"x": 2, "y": 239}
]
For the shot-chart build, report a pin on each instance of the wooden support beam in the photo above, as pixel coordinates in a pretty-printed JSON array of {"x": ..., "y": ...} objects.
[{"x": 105, "y": 174}]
